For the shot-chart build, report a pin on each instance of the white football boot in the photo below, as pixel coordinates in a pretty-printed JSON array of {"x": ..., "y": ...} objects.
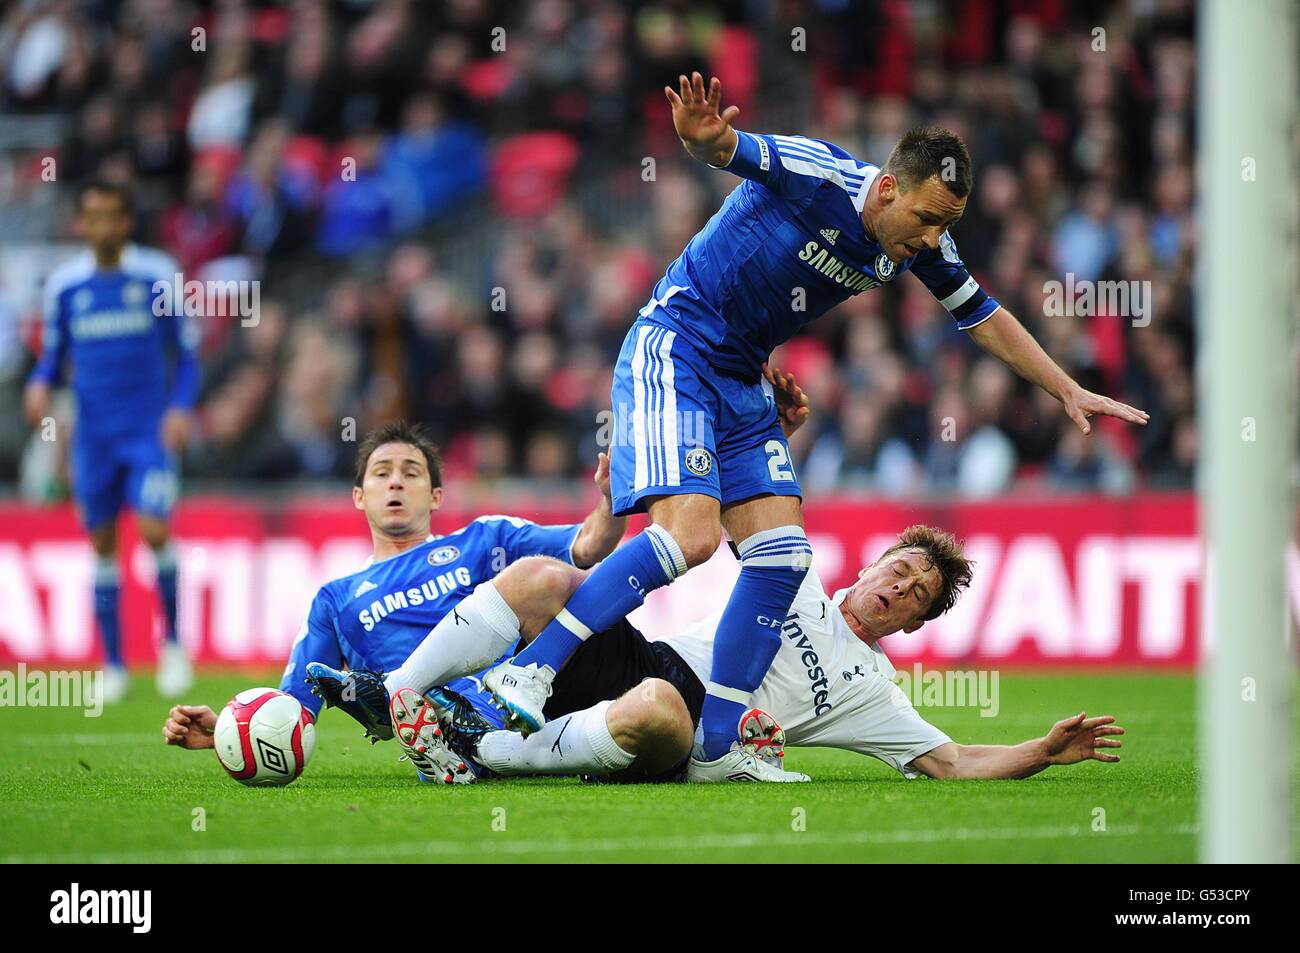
[
  {"x": 738, "y": 765},
  {"x": 522, "y": 691},
  {"x": 416, "y": 728},
  {"x": 175, "y": 673},
  {"x": 757, "y": 756},
  {"x": 762, "y": 737},
  {"x": 115, "y": 685}
]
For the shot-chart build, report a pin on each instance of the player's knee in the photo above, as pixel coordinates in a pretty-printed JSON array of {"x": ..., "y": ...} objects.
[
  {"x": 652, "y": 717},
  {"x": 698, "y": 542},
  {"x": 693, "y": 521},
  {"x": 552, "y": 581},
  {"x": 537, "y": 586}
]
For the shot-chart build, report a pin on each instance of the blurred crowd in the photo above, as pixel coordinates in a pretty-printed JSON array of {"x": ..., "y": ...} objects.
[{"x": 456, "y": 208}]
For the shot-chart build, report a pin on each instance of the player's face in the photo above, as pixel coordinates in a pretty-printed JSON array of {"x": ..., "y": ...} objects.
[
  {"x": 103, "y": 220},
  {"x": 396, "y": 492},
  {"x": 912, "y": 221},
  {"x": 891, "y": 595}
]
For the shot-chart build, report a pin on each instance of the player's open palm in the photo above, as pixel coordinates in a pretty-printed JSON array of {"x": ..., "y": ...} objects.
[
  {"x": 696, "y": 115},
  {"x": 1080, "y": 738},
  {"x": 190, "y": 726}
]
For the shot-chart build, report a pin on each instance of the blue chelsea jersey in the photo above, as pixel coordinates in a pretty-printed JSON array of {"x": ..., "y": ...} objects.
[
  {"x": 786, "y": 246},
  {"x": 131, "y": 347},
  {"x": 374, "y": 619}
]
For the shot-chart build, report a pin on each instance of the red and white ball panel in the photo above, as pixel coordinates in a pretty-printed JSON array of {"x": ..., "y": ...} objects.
[{"x": 264, "y": 737}]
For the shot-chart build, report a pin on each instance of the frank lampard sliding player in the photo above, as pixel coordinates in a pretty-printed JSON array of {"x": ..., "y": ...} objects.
[
  {"x": 624, "y": 708},
  {"x": 374, "y": 618},
  {"x": 810, "y": 226}
]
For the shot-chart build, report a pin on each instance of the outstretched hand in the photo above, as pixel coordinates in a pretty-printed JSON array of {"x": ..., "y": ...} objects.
[
  {"x": 705, "y": 130},
  {"x": 1080, "y": 738},
  {"x": 1081, "y": 404},
  {"x": 791, "y": 402}
]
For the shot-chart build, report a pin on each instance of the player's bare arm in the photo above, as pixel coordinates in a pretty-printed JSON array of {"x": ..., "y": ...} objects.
[
  {"x": 1071, "y": 740},
  {"x": 1006, "y": 339},
  {"x": 190, "y": 726},
  {"x": 705, "y": 130},
  {"x": 601, "y": 531}
]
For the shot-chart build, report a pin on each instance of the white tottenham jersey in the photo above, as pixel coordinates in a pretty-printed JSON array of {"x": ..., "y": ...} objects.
[{"x": 826, "y": 687}]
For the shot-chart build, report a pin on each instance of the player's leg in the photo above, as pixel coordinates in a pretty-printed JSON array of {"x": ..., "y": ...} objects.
[
  {"x": 175, "y": 673},
  {"x": 98, "y": 484},
  {"x": 154, "y": 531},
  {"x": 643, "y": 734},
  {"x": 616, "y": 587},
  {"x": 108, "y": 589},
  {"x": 486, "y": 624},
  {"x": 654, "y": 456},
  {"x": 579, "y": 736},
  {"x": 774, "y": 558},
  {"x": 151, "y": 488},
  {"x": 762, "y": 513},
  {"x": 478, "y": 631}
]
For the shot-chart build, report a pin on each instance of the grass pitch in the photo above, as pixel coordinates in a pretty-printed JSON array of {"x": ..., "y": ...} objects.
[{"x": 83, "y": 790}]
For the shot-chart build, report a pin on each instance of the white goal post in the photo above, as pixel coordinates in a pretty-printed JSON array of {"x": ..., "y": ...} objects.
[{"x": 1246, "y": 290}]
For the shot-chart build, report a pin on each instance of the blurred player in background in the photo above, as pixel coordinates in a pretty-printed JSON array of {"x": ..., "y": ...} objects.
[
  {"x": 809, "y": 227},
  {"x": 111, "y": 314}
]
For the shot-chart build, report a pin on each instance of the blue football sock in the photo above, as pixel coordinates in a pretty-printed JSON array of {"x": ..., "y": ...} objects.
[
  {"x": 773, "y": 565},
  {"x": 165, "y": 560},
  {"x": 106, "y": 599},
  {"x": 618, "y": 585}
]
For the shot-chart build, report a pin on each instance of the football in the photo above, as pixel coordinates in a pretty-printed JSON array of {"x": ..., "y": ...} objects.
[{"x": 264, "y": 737}]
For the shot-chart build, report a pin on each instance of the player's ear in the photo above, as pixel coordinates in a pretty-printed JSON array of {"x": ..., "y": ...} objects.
[
  {"x": 888, "y": 187},
  {"x": 914, "y": 626},
  {"x": 358, "y": 498},
  {"x": 437, "y": 497}
]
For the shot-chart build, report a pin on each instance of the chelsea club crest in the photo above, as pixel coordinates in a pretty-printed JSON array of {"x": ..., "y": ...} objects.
[
  {"x": 443, "y": 555},
  {"x": 699, "y": 462},
  {"x": 884, "y": 267}
]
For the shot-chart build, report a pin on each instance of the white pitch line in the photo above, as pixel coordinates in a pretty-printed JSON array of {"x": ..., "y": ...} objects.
[
  {"x": 496, "y": 845},
  {"x": 85, "y": 740}
]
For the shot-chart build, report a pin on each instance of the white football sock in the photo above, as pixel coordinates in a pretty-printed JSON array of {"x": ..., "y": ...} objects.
[
  {"x": 475, "y": 633},
  {"x": 579, "y": 743}
]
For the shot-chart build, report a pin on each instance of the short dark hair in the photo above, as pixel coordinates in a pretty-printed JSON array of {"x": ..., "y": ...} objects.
[
  {"x": 116, "y": 189},
  {"x": 926, "y": 151},
  {"x": 399, "y": 431},
  {"x": 946, "y": 553}
]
